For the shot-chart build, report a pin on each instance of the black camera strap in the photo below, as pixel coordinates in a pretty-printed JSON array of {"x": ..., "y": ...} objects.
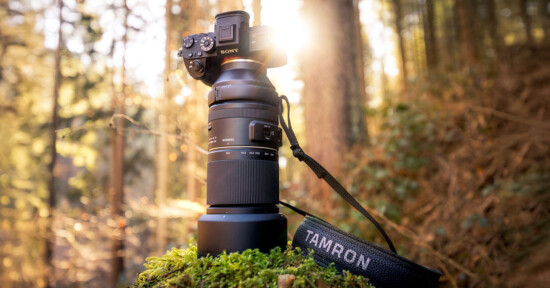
[
  {"x": 322, "y": 173},
  {"x": 347, "y": 252}
]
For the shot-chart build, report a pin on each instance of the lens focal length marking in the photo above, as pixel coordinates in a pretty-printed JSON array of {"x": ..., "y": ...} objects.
[
  {"x": 242, "y": 147},
  {"x": 243, "y": 154}
]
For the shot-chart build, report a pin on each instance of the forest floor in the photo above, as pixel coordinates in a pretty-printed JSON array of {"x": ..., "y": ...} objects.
[
  {"x": 496, "y": 176},
  {"x": 464, "y": 171},
  {"x": 527, "y": 75}
]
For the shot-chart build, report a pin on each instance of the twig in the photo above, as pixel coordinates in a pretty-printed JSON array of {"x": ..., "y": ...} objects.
[
  {"x": 202, "y": 180},
  {"x": 159, "y": 278},
  {"x": 118, "y": 115},
  {"x": 510, "y": 117},
  {"x": 151, "y": 132},
  {"x": 411, "y": 235},
  {"x": 530, "y": 122},
  {"x": 172, "y": 272},
  {"x": 163, "y": 134},
  {"x": 112, "y": 124},
  {"x": 452, "y": 181},
  {"x": 83, "y": 127},
  {"x": 449, "y": 276}
]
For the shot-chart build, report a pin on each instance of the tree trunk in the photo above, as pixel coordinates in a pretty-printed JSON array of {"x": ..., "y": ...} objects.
[
  {"x": 331, "y": 86},
  {"x": 493, "y": 24},
  {"x": 257, "y": 9},
  {"x": 358, "y": 98},
  {"x": 398, "y": 27},
  {"x": 460, "y": 54},
  {"x": 191, "y": 152},
  {"x": 429, "y": 37},
  {"x": 450, "y": 38},
  {"x": 230, "y": 5},
  {"x": 466, "y": 29},
  {"x": 117, "y": 175},
  {"x": 526, "y": 21},
  {"x": 163, "y": 157},
  {"x": 193, "y": 189},
  {"x": 49, "y": 277},
  {"x": 546, "y": 19},
  {"x": 419, "y": 54}
]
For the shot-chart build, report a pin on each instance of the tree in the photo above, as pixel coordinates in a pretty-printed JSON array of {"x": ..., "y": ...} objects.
[
  {"x": 333, "y": 92},
  {"x": 492, "y": 24},
  {"x": 430, "y": 41},
  {"x": 230, "y": 5},
  {"x": 50, "y": 240},
  {"x": 468, "y": 37},
  {"x": 526, "y": 21},
  {"x": 257, "y": 9},
  {"x": 358, "y": 97},
  {"x": 117, "y": 165},
  {"x": 546, "y": 19},
  {"x": 163, "y": 145},
  {"x": 399, "y": 29}
]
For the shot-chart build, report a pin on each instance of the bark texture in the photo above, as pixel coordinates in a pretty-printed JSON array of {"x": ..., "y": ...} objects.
[{"x": 334, "y": 89}]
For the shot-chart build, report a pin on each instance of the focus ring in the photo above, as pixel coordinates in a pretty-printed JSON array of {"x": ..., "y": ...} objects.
[{"x": 242, "y": 182}]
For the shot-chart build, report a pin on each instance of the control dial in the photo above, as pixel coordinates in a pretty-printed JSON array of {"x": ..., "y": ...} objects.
[
  {"x": 207, "y": 44},
  {"x": 188, "y": 41},
  {"x": 197, "y": 66}
]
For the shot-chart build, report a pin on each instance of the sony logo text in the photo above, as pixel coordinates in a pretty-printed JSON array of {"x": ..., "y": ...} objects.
[
  {"x": 350, "y": 255},
  {"x": 227, "y": 51}
]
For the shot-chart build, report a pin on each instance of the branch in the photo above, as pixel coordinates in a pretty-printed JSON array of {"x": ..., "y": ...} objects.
[
  {"x": 510, "y": 117},
  {"x": 118, "y": 115},
  {"x": 126, "y": 131},
  {"x": 151, "y": 132}
]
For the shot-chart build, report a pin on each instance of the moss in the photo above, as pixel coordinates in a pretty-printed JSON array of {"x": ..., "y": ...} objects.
[{"x": 251, "y": 268}]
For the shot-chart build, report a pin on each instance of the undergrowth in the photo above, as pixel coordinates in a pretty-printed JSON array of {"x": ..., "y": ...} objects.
[
  {"x": 462, "y": 165},
  {"x": 251, "y": 268}
]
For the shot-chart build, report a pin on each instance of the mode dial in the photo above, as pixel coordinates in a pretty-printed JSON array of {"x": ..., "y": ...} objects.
[
  {"x": 188, "y": 41},
  {"x": 207, "y": 44}
]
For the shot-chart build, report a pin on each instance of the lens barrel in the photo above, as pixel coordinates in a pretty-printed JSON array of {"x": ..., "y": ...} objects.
[{"x": 243, "y": 171}]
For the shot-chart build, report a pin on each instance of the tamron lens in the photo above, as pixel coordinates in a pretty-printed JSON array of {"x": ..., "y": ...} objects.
[{"x": 243, "y": 135}]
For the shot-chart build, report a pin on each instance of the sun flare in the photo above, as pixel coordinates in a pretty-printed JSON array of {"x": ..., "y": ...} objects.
[{"x": 292, "y": 35}]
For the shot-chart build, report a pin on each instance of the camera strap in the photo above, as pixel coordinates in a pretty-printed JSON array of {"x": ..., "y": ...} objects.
[{"x": 347, "y": 252}]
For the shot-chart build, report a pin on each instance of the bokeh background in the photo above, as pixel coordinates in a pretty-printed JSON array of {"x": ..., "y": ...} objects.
[{"x": 434, "y": 114}]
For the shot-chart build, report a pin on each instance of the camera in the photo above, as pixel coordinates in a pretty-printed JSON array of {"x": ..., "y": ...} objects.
[
  {"x": 243, "y": 170},
  {"x": 243, "y": 135}
]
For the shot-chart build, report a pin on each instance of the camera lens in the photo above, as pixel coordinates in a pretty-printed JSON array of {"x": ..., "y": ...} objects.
[
  {"x": 243, "y": 138},
  {"x": 243, "y": 170}
]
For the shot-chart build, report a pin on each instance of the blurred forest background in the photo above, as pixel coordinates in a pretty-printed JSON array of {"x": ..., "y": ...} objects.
[{"x": 434, "y": 114}]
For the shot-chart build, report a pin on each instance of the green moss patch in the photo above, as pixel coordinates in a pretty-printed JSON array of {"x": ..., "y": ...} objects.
[{"x": 251, "y": 268}]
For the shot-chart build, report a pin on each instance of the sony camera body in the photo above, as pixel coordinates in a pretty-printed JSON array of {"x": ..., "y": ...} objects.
[{"x": 204, "y": 53}]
